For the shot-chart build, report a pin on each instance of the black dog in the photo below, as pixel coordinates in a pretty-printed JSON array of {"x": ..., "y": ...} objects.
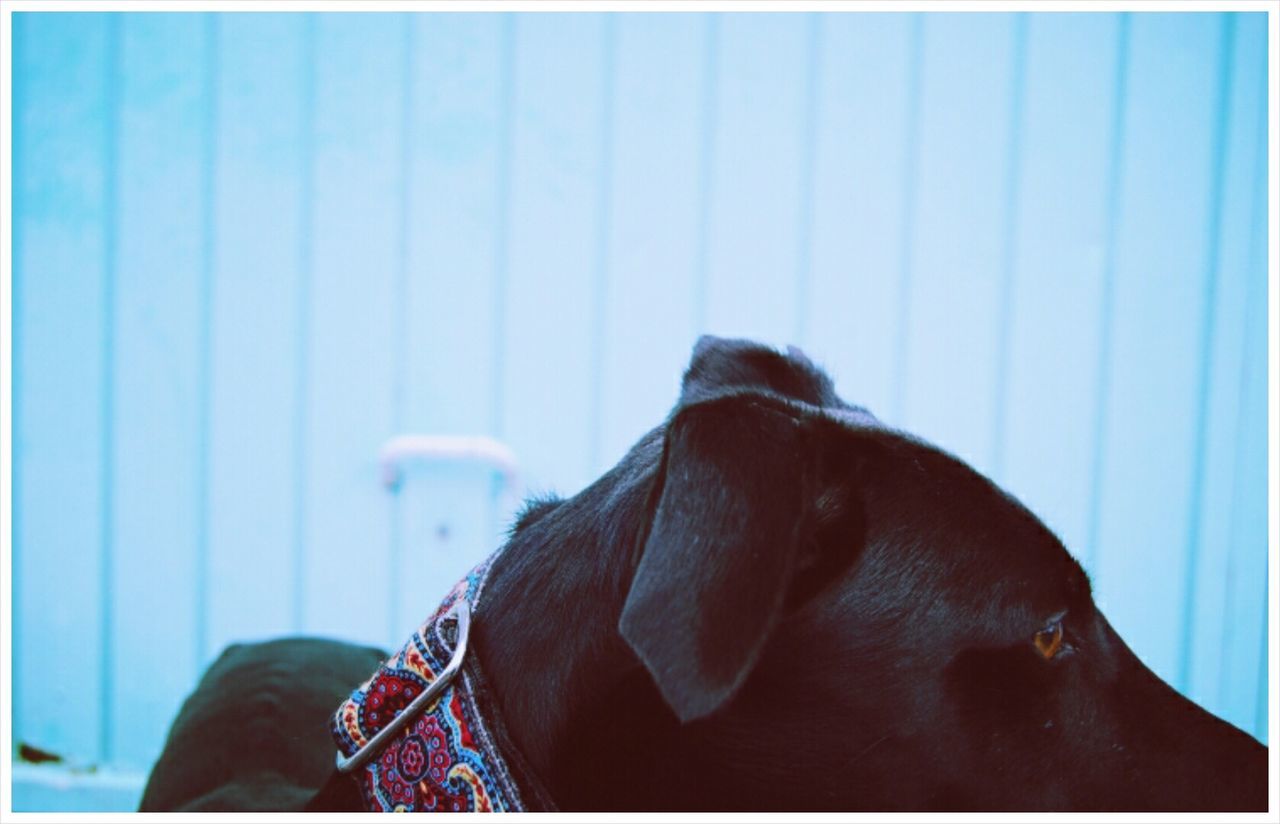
[{"x": 773, "y": 602}]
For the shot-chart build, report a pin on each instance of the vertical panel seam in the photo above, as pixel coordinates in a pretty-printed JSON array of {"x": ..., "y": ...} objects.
[
  {"x": 1257, "y": 218},
  {"x": 1008, "y": 282},
  {"x": 1221, "y": 132},
  {"x": 403, "y": 196},
  {"x": 1237, "y": 464},
  {"x": 208, "y": 196},
  {"x": 1260, "y": 714},
  {"x": 706, "y": 170},
  {"x": 808, "y": 162},
  {"x": 18, "y": 61},
  {"x": 302, "y": 359},
  {"x": 906, "y": 258},
  {"x": 400, "y": 332},
  {"x": 604, "y": 225},
  {"x": 1259, "y": 247},
  {"x": 502, "y": 242},
  {"x": 110, "y": 231},
  {"x": 1228, "y": 586},
  {"x": 501, "y": 263},
  {"x": 1107, "y": 310}
]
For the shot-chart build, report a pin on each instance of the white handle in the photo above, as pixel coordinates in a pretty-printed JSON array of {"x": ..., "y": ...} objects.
[{"x": 480, "y": 448}]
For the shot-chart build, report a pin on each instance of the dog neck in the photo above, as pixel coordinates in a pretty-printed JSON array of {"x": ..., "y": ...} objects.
[{"x": 548, "y": 632}]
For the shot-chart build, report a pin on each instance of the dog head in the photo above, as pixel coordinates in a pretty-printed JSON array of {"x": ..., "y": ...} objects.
[{"x": 836, "y": 615}]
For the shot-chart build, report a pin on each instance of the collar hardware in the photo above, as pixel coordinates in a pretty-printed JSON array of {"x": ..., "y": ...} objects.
[
  {"x": 423, "y": 734},
  {"x": 459, "y": 612}
]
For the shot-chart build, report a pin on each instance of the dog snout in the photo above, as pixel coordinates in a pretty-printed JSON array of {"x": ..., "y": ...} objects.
[
  {"x": 1234, "y": 777},
  {"x": 1188, "y": 759}
]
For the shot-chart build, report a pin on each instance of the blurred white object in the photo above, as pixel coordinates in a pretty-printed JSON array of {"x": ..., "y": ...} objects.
[{"x": 402, "y": 449}]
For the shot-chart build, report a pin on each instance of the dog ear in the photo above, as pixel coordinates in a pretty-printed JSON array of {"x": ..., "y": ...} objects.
[
  {"x": 722, "y": 547},
  {"x": 721, "y": 365}
]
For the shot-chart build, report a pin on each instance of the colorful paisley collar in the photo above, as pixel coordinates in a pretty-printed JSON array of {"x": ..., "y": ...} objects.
[{"x": 450, "y": 757}]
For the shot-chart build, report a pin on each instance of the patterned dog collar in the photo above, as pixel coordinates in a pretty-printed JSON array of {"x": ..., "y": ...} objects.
[{"x": 446, "y": 758}]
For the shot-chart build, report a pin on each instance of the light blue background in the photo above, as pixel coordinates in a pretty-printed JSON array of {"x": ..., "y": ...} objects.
[{"x": 250, "y": 248}]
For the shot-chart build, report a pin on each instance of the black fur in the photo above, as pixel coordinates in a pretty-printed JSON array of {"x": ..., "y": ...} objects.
[
  {"x": 254, "y": 734},
  {"x": 776, "y": 602},
  {"x": 534, "y": 508}
]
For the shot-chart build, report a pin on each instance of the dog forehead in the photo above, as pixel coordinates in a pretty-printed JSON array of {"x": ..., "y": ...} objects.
[
  {"x": 940, "y": 521},
  {"x": 954, "y": 511}
]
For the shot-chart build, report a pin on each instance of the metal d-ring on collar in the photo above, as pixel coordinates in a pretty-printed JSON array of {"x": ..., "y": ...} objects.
[{"x": 461, "y": 612}]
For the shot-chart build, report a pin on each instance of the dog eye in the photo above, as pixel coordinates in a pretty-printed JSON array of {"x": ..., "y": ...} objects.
[{"x": 1048, "y": 641}]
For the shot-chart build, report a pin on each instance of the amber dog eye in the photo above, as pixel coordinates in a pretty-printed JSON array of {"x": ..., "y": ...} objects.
[{"x": 1049, "y": 640}]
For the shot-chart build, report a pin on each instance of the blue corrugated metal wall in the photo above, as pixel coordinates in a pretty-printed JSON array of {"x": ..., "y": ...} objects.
[{"x": 250, "y": 248}]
